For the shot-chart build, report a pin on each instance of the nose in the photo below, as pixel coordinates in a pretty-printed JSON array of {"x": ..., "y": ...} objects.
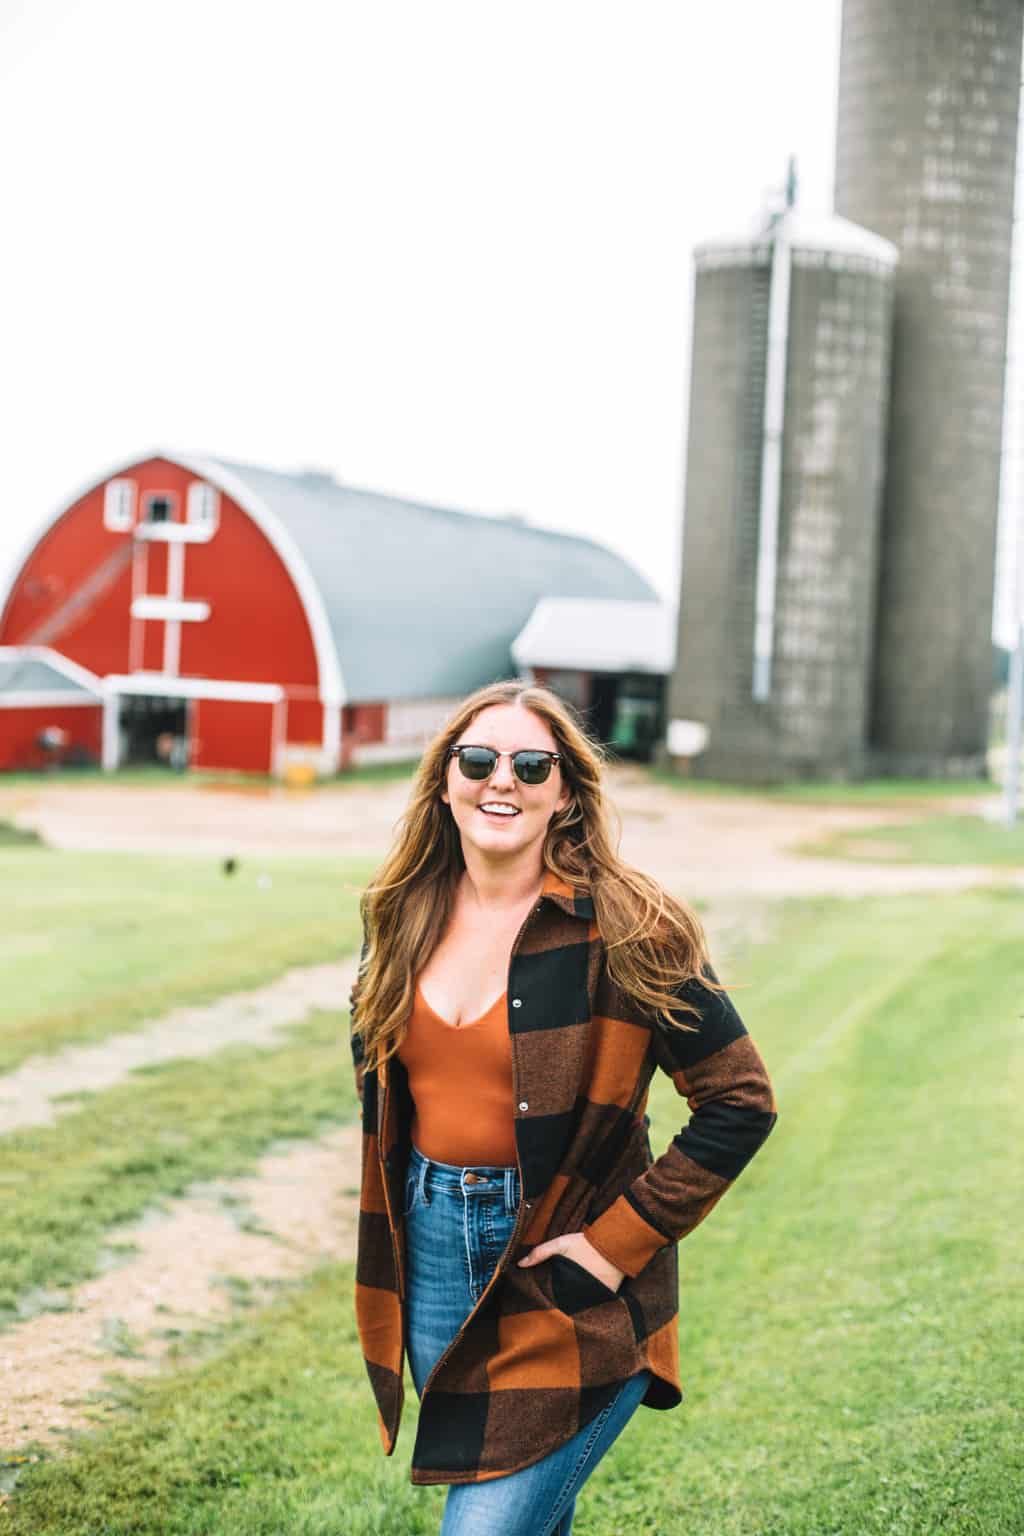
[{"x": 503, "y": 777}]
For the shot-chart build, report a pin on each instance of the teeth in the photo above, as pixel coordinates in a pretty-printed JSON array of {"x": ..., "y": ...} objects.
[{"x": 502, "y": 810}]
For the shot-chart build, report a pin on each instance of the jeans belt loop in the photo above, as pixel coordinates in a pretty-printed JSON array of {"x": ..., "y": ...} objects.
[{"x": 424, "y": 1193}]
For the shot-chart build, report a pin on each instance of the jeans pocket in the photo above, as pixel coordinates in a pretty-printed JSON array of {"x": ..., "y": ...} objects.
[{"x": 411, "y": 1187}]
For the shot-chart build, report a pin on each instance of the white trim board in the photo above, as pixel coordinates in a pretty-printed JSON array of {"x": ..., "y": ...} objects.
[
  {"x": 173, "y": 533},
  {"x": 159, "y": 685},
  {"x": 30, "y": 700},
  {"x": 169, "y": 608}
]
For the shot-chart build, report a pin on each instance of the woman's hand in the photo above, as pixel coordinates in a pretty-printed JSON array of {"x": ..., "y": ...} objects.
[{"x": 576, "y": 1247}]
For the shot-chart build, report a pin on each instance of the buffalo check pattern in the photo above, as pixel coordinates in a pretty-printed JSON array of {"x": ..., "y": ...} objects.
[{"x": 546, "y": 1348}]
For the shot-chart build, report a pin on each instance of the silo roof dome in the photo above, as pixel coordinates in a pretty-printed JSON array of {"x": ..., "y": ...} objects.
[{"x": 806, "y": 232}]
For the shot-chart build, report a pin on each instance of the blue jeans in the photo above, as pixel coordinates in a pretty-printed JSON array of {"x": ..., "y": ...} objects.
[{"x": 458, "y": 1222}]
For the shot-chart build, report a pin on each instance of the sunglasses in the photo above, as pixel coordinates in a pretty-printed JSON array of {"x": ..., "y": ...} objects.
[{"x": 528, "y": 766}]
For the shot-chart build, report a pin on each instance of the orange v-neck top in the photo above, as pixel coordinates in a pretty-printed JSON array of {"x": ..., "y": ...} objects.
[{"x": 460, "y": 1078}]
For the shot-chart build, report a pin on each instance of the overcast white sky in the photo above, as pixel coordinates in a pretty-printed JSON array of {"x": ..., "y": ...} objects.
[{"x": 441, "y": 249}]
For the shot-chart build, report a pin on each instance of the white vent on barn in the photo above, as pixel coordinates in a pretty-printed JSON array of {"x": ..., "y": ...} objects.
[
  {"x": 119, "y": 505},
  {"x": 203, "y": 505}
]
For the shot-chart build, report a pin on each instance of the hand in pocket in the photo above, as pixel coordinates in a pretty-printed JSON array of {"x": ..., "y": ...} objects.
[{"x": 574, "y": 1246}]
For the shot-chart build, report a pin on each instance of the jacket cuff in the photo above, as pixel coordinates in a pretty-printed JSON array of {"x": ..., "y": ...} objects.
[{"x": 624, "y": 1238}]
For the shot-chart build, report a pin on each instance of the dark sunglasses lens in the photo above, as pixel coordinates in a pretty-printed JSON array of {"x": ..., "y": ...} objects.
[
  {"x": 477, "y": 762},
  {"x": 532, "y": 767}
]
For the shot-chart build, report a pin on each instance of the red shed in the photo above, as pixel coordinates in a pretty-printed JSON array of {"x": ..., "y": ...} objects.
[
  {"x": 51, "y": 711},
  {"x": 227, "y": 616}
]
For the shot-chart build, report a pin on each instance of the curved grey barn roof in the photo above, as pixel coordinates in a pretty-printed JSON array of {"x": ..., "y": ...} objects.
[{"x": 423, "y": 602}]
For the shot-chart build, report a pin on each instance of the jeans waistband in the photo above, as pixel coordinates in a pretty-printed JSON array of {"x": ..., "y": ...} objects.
[{"x": 473, "y": 1181}]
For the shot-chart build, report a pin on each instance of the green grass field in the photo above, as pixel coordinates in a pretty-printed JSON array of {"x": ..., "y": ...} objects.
[
  {"x": 879, "y": 792},
  {"x": 17, "y": 837},
  {"x": 931, "y": 840},
  {"x": 158, "y": 776},
  {"x": 95, "y": 943},
  {"x": 850, "y": 1328}
]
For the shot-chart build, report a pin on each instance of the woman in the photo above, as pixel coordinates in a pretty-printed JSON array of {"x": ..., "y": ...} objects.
[{"x": 518, "y": 988}]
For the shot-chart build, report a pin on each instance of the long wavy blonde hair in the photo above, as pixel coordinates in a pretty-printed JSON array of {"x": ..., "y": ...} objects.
[{"x": 654, "y": 943}]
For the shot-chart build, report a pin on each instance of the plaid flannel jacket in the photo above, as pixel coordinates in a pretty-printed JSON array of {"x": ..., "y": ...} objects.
[{"x": 546, "y": 1348}]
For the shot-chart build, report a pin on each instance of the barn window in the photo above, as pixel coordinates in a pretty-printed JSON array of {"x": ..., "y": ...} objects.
[
  {"x": 203, "y": 501},
  {"x": 159, "y": 507},
  {"x": 119, "y": 505}
]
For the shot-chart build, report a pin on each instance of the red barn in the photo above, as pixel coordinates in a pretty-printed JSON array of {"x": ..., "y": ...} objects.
[{"x": 225, "y": 616}]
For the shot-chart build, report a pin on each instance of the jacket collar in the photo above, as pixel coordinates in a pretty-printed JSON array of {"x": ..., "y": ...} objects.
[{"x": 575, "y": 901}]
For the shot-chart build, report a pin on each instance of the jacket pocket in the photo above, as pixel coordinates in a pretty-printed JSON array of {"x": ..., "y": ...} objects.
[{"x": 574, "y": 1288}]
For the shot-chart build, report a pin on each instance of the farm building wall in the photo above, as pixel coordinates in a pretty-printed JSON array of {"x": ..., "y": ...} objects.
[
  {"x": 233, "y": 733},
  {"x": 391, "y": 732},
  {"x": 76, "y": 555},
  {"x": 21, "y": 726}
]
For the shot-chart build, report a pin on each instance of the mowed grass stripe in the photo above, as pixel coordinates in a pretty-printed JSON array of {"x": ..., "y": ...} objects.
[
  {"x": 63, "y": 1187},
  {"x": 849, "y": 1324},
  {"x": 850, "y": 1327},
  {"x": 932, "y": 840},
  {"x": 92, "y": 944},
  {"x": 826, "y": 792}
]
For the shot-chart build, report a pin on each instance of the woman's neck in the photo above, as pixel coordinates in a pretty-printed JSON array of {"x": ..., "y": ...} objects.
[{"x": 501, "y": 887}]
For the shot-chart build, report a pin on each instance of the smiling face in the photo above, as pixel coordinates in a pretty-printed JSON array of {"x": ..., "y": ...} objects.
[{"x": 500, "y": 816}]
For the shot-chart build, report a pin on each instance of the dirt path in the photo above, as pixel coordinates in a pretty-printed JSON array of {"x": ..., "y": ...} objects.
[
  {"x": 714, "y": 847},
  {"x": 255, "y": 1018},
  {"x": 700, "y": 845},
  {"x": 295, "y": 1212},
  {"x": 358, "y": 819}
]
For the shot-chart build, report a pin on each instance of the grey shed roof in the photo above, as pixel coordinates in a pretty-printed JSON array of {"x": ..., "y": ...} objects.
[
  {"x": 21, "y": 673},
  {"x": 595, "y": 634},
  {"x": 424, "y": 602}
]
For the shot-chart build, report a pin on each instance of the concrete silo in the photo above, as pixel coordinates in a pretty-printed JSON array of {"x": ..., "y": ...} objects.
[
  {"x": 927, "y": 128},
  {"x": 789, "y": 382}
]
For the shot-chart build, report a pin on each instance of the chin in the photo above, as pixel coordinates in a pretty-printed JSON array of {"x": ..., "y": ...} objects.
[{"x": 496, "y": 838}]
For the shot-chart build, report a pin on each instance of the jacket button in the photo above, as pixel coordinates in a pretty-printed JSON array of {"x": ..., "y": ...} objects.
[
  {"x": 517, "y": 1002},
  {"x": 524, "y": 1105}
]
